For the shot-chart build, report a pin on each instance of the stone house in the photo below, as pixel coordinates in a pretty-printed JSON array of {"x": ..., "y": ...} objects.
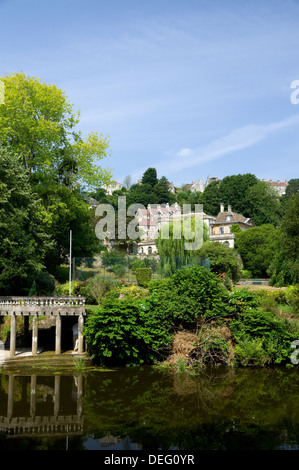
[
  {"x": 279, "y": 186},
  {"x": 110, "y": 188},
  {"x": 221, "y": 228}
]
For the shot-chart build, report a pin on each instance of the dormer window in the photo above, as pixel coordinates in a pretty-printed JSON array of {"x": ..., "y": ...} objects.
[{"x": 228, "y": 218}]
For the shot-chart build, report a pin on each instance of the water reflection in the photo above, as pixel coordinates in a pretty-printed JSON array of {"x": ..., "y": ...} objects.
[{"x": 146, "y": 408}]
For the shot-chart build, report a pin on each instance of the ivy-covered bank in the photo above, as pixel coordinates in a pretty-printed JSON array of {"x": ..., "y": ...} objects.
[{"x": 135, "y": 325}]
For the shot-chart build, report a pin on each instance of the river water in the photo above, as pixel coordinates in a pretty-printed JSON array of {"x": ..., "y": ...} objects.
[{"x": 149, "y": 408}]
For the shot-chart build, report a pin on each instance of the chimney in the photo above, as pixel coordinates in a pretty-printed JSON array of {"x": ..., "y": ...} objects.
[
  {"x": 221, "y": 207},
  {"x": 229, "y": 208}
]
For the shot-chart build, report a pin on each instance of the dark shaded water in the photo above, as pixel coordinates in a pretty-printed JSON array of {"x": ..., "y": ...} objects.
[{"x": 150, "y": 409}]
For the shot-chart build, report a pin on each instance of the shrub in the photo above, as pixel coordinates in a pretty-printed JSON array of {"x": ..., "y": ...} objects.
[
  {"x": 241, "y": 299},
  {"x": 292, "y": 297},
  {"x": 251, "y": 352},
  {"x": 44, "y": 284},
  {"x": 63, "y": 289},
  {"x": 275, "y": 335},
  {"x": 133, "y": 292},
  {"x": 143, "y": 276},
  {"x": 246, "y": 274},
  {"x": 121, "y": 333},
  {"x": 187, "y": 295}
]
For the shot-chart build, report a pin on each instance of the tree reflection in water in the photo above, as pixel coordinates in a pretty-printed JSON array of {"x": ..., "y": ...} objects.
[{"x": 150, "y": 408}]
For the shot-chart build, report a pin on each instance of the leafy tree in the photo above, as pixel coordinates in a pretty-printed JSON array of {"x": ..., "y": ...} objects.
[
  {"x": 285, "y": 266},
  {"x": 263, "y": 205},
  {"x": 23, "y": 239},
  {"x": 234, "y": 191},
  {"x": 141, "y": 194},
  {"x": 292, "y": 187},
  {"x": 171, "y": 244},
  {"x": 189, "y": 197},
  {"x": 150, "y": 177},
  {"x": 257, "y": 248},
  {"x": 211, "y": 198},
  {"x": 246, "y": 195},
  {"x": 223, "y": 259},
  {"x": 64, "y": 211},
  {"x": 162, "y": 191},
  {"x": 38, "y": 123}
]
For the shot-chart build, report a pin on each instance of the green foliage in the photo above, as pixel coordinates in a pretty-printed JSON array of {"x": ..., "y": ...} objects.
[
  {"x": 150, "y": 177},
  {"x": 64, "y": 211},
  {"x": 292, "y": 188},
  {"x": 121, "y": 333},
  {"x": 247, "y": 196},
  {"x": 44, "y": 284},
  {"x": 187, "y": 295},
  {"x": 263, "y": 337},
  {"x": 223, "y": 259},
  {"x": 172, "y": 248},
  {"x": 241, "y": 299},
  {"x": 246, "y": 274},
  {"x": 93, "y": 289},
  {"x": 251, "y": 352},
  {"x": 115, "y": 261},
  {"x": 23, "y": 239},
  {"x": 257, "y": 248},
  {"x": 133, "y": 292},
  {"x": 39, "y": 124},
  {"x": 143, "y": 276},
  {"x": 284, "y": 269},
  {"x": 292, "y": 297}
]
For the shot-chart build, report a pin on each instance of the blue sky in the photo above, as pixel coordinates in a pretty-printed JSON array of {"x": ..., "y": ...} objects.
[{"x": 192, "y": 88}]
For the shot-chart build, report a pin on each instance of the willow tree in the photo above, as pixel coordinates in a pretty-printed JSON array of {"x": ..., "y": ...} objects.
[{"x": 179, "y": 243}]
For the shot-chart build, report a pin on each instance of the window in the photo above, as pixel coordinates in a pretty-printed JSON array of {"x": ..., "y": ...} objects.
[{"x": 228, "y": 218}]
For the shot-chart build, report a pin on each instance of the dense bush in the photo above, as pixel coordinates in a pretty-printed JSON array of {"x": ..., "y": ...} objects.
[
  {"x": 122, "y": 332},
  {"x": 187, "y": 295},
  {"x": 262, "y": 337},
  {"x": 143, "y": 276}
]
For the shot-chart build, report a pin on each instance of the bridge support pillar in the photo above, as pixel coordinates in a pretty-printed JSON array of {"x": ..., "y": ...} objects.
[
  {"x": 58, "y": 335},
  {"x": 34, "y": 334},
  {"x": 80, "y": 333},
  {"x": 13, "y": 330}
]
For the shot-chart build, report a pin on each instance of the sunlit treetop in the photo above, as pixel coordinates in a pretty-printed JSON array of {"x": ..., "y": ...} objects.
[{"x": 39, "y": 124}]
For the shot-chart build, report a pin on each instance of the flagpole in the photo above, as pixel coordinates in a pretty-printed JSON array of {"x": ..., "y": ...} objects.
[{"x": 70, "y": 268}]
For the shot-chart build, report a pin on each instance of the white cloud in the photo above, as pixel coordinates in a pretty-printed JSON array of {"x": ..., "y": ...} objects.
[{"x": 238, "y": 139}]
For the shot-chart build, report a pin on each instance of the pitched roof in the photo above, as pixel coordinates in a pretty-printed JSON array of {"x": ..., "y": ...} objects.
[{"x": 235, "y": 217}]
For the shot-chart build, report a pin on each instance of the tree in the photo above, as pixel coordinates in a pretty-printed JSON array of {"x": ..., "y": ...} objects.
[
  {"x": 38, "y": 123},
  {"x": 234, "y": 189},
  {"x": 263, "y": 205},
  {"x": 127, "y": 181},
  {"x": 211, "y": 198},
  {"x": 63, "y": 212},
  {"x": 285, "y": 266},
  {"x": 162, "y": 191},
  {"x": 257, "y": 247},
  {"x": 171, "y": 244},
  {"x": 150, "y": 177},
  {"x": 223, "y": 259},
  {"x": 141, "y": 194},
  {"x": 292, "y": 187},
  {"x": 246, "y": 195},
  {"x": 23, "y": 239}
]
